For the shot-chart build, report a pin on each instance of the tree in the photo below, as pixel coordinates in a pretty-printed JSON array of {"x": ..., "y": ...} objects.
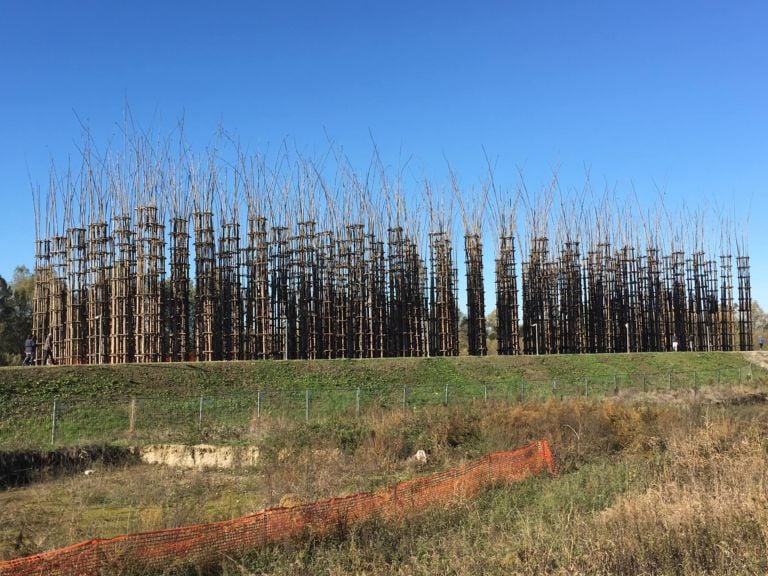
[
  {"x": 7, "y": 313},
  {"x": 492, "y": 331},
  {"x": 23, "y": 286},
  {"x": 15, "y": 314},
  {"x": 463, "y": 332},
  {"x": 492, "y": 324},
  {"x": 759, "y": 317}
]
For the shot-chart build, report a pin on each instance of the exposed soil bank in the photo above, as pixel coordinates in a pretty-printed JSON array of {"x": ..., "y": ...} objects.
[
  {"x": 23, "y": 467},
  {"x": 199, "y": 456}
]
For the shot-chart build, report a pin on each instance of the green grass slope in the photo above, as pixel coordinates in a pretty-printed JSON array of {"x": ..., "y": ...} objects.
[{"x": 371, "y": 375}]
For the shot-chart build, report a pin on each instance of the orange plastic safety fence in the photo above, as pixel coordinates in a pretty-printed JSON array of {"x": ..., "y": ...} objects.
[{"x": 205, "y": 543}]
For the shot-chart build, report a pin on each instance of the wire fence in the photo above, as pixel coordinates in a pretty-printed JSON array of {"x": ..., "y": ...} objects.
[{"x": 233, "y": 418}]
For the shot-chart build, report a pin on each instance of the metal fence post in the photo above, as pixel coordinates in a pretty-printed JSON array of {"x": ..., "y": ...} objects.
[
  {"x": 132, "y": 417},
  {"x": 615, "y": 385},
  {"x": 306, "y": 405},
  {"x": 357, "y": 403},
  {"x": 586, "y": 386},
  {"x": 53, "y": 420},
  {"x": 485, "y": 393},
  {"x": 645, "y": 385},
  {"x": 405, "y": 396},
  {"x": 200, "y": 414},
  {"x": 446, "y": 394},
  {"x": 258, "y": 404},
  {"x": 669, "y": 380}
]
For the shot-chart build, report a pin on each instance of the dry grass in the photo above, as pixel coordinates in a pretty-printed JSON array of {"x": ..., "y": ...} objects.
[
  {"x": 117, "y": 500},
  {"x": 306, "y": 462},
  {"x": 649, "y": 489},
  {"x": 707, "y": 512},
  {"x": 646, "y": 488}
]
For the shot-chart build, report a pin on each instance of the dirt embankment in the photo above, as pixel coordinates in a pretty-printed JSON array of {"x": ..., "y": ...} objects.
[
  {"x": 199, "y": 456},
  {"x": 19, "y": 468}
]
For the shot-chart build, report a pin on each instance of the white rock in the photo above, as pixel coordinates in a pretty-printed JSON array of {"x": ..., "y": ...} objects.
[{"x": 420, "y": 457}]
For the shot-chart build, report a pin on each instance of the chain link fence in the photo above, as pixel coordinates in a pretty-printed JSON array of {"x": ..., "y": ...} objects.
[{"x": 242, "y": 417}]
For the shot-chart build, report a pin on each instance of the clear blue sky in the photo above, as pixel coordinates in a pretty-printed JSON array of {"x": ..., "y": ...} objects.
[{"x": 669, "y": 96}]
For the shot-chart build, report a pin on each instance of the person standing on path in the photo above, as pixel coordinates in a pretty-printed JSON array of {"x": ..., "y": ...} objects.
[
  {"x": 30, "y": 345},
  {"x": 48, "y": 350}
]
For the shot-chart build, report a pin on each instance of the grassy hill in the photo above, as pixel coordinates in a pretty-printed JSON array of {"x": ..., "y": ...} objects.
[
  {"x": 669, "y": 482},
  {"x": 371, "y": 375},
  {"x": 231, "y": 402}
]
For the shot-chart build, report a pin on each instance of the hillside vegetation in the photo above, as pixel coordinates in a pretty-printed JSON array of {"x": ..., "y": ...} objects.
[
  {"x": 644, "y": 487},
  {"x": 173, "y": 379},
  {"x": 656, "y": 482},
  {"x": 644, "y": 490}
]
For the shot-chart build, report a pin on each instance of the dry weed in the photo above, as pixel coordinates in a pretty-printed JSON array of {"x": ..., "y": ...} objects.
[{"x": 707, "y": 512}]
